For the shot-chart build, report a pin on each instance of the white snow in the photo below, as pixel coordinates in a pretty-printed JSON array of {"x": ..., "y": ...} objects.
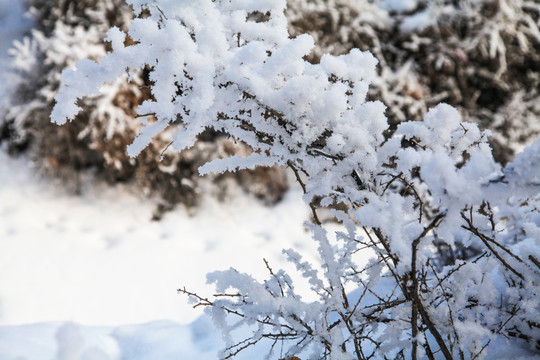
[
  {"x": 98, "y": 259},
  {"x": 399, "y": 5},
  {"x": 418, "y": 21}
]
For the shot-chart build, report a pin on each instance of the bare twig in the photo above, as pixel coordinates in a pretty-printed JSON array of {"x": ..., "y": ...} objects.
[
  {"x": 162, "y": 13},
  {"x": 274, "y": 276},
  {"x": 143, "y": 115},
  {"x": 486, "y": 240},
  {"x": 163, "y": 152}
]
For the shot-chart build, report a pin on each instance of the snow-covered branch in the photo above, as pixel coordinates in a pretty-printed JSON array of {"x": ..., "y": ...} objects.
[{"x": 232, "y": 67}]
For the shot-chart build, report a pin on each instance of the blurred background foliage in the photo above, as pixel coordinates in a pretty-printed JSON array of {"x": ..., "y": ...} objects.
[{"x": 481, "y": 56}]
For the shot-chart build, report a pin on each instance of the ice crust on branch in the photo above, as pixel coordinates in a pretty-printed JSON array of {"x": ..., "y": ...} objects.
[{"x": 454, "y": 238}]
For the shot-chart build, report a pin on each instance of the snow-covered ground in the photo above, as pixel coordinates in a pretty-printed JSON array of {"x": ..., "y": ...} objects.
[{"x": 98, "y": 259}]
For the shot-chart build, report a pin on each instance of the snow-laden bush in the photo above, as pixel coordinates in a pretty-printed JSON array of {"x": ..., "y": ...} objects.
[
  {"x": 66, "y": 32},
  {"x": 477, "y": 55},
  {"x": 431, "y": 186}
]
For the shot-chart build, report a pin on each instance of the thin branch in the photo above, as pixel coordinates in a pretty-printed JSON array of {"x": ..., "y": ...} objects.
[
  {"x": 163, "y": 152},
  {"x": 535, "y": 261},
  {"x": 311, "y": 205},
  {"x": 162, "y": 13},
  {"x": 202, "y": 301},
  {"x": 450, "y": 312},
  {"x": 143, "y": 115},
  {"x": 322, "y": 153},
  {"x": 514, "y": 312},
  {"x": 484, "y": 238},
  {"x": 274, "y": 276}
]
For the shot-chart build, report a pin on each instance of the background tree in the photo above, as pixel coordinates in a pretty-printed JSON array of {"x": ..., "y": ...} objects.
[{"x": 67, "y": 31}]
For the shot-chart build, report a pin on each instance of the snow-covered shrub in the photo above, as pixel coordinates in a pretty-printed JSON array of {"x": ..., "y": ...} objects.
[
  {"x": 66, "y": 32},
  {"x": 478, "y": 55},
  {"x": 230, "y": 66}
]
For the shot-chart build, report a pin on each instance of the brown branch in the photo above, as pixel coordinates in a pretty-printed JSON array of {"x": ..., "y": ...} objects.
[
  {"x": 162, "y": 13},
  {"x": 274, "y": 276},
  {"x": 417, "y": 306},
  {"x": 433, "y": 330},
  {"x": 304, "y": 189},
  {"x": 439, "y": 284},
  {"x": 415, "y": 301},
  {"x": 423, "y": 313},
  {"x": 514, "y": 312},
  {"x": 323, "y": 154},
  {"x": 206, "y": 302},
  {"x": 163, "y": 152},
  {"x": 535, "y": 261},
  {"x": 229, "y": 295},
  {"x": 410, "y": 186},
  {"x": 243, "y": 347},
  {"x": 385, "y": 244},
  {"x": 143, "y": 115}
]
